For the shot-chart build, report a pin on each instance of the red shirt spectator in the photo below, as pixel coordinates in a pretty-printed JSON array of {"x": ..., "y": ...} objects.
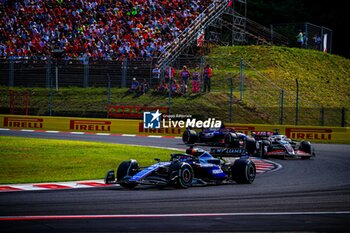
[{"x": 207, "y": 73}]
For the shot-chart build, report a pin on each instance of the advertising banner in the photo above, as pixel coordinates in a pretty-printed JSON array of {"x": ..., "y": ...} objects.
[
  {"x": 69, "y": 124},
  {"x": 124, "y": 126}
]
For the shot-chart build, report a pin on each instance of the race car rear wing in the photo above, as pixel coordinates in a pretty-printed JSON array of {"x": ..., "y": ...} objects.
[
  {"x": 261, "y": 135},
  {"x": 228, "y": 152}
]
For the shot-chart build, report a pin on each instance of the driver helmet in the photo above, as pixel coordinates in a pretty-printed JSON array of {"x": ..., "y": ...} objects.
[
  {"x": 277, "y": 138},
  {"x": 195, "y": 151}
]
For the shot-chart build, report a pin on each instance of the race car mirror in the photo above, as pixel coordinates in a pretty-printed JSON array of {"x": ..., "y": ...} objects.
[{"x": 157, "y": 159}]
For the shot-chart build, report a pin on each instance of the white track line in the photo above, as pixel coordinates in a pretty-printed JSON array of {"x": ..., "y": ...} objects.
[
  {"x": 125, "y": 216},
  {"x": 52, "y": 131},
  {"x": 103, "y": 134}
]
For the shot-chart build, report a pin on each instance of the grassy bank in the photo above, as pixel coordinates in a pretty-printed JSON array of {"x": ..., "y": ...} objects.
[
  {"x": 324, "y": 86},
  {"x": 26, "y": 160}
]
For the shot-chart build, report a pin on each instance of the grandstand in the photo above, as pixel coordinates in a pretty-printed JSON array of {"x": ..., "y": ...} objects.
[
  {"x": 108, "y": 36},
  {"x": 115, "y": 30},
  {"x": 120, "y": 38},
  {"x": 109, "y": 30}
]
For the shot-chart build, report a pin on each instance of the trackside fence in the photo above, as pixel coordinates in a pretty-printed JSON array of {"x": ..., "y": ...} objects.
[
  {"x": 54, "y": 86},
  {"x": 306, "y": 35},
  {"x": 82, "y": 72}
]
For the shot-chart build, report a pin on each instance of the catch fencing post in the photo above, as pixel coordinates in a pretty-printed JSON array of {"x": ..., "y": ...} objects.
[
  {"x": 124, "y": 67},
  {"x": 343, "y": 117},
  {"x": 51, "y": 97},
  {"x": 322, "y": 116},
  {"x": 109, "y": 92},
  {"x": 281, "y": 106},
  {"x": 48, "y": 72},
  {"x": 56, "y": 74},
  {"x": 241, "y": 80},
  {"x": 109, "y": 89},
  {"x": 231, "y": 99},
  {"x": 86, "y": 72},
  {"x": 297, "y": 103},
  {"x": 11, "y": 73}
]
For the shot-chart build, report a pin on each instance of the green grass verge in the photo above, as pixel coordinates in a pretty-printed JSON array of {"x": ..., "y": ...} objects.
[
  {"x": 323, "y": 79},
  {"x": 27, "y": 160}
]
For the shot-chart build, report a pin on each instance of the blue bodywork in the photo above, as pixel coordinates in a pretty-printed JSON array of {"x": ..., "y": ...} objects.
[
  {"x": 214, "y": 171},
  {"x": 145, "y": 172},
  {"x": 215, "y": 136}
]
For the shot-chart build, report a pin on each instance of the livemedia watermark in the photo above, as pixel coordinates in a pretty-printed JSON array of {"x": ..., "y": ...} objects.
[{"x": 154, "y": 120}]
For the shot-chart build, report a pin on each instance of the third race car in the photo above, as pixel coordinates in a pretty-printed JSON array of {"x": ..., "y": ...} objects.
[{"x": 274, "y": 144}]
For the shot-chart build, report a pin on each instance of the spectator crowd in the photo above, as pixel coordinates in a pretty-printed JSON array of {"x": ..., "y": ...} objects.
[
  {"x": 105, "y": 29},
  {"x": 186, "y": 81}
]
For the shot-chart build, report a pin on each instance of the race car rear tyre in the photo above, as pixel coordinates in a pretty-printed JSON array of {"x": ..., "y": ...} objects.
[
  {"x": 243, "y": 171},
  {"x": 232, "y": 140},
  {"x": 127, "y": 168},
  {"x": 190, "y": 136},
  {"x": 265, "y": 146},
  {"x": 250, "y": 146}
]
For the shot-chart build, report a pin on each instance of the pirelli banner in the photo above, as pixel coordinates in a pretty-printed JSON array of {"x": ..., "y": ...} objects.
[
  {"x": 69, "y": 124},
  {"x": 120, "y": 126}
]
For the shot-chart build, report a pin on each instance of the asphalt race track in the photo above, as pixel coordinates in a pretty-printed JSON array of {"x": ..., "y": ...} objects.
[{"x": 305, "y": 195}]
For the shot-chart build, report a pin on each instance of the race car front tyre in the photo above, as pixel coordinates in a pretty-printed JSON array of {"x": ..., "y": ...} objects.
[
  {"x": 127, "y": 168},
  {"x": 305, "y": 146},
  {"x": 190, "y": 136},
  {"x": 181, "y": 173},
  {"x": 185, "y": 176},
  {"x": 243, "y": 171},
  {"x": 110, "y": 177}
]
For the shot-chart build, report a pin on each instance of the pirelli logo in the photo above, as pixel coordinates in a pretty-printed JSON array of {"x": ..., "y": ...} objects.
[
  {"x": 23, "y": 122},
  {"x": 309, "y": 134},
  {"x": 91, "y": 125}
]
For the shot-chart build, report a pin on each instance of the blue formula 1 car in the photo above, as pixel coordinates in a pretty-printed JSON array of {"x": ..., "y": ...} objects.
[
  {"x": 194, "y": 168},
  {"x": 220, "y": 137},
  {"x": 211, "y": 136}
]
